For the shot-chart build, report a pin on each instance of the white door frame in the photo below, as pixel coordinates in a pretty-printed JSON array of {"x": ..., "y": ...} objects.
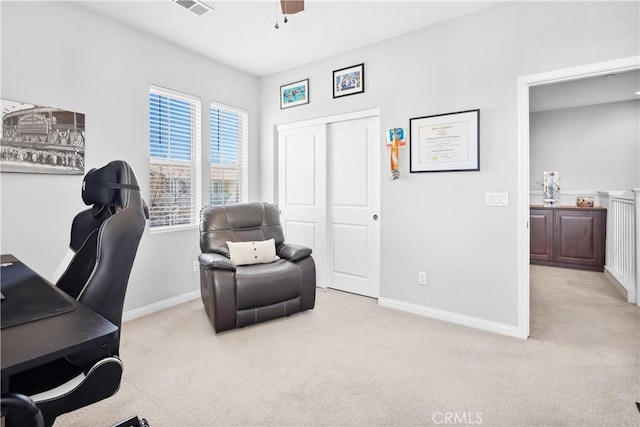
[
  {"x": 330, "y": 119},
  {"x": 374, "y": 112},
  {"x": 524, "y": 83}
]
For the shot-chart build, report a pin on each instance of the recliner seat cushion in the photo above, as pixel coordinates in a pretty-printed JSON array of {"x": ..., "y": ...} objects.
[{"x": 260, "y": 285}]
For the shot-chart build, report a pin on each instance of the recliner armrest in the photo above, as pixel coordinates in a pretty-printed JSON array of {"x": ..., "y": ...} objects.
[
  {"x": 293, "y": 252},
  {"x": 213, "y": 261}
]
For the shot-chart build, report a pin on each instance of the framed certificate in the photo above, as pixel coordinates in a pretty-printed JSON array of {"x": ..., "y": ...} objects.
[{"x": 445, "y": 142}]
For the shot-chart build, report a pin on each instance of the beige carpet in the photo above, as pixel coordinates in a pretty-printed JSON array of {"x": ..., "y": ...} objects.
[{"x": 350, "y": 362}]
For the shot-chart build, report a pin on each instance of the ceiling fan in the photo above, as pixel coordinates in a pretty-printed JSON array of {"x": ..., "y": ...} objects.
[{"x": 289, "y": 7}]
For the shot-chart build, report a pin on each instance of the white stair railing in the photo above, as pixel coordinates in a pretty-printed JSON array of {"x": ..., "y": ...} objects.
[
  {"x": 636, "y": 195},
  {"x": 622, "y": 242}
]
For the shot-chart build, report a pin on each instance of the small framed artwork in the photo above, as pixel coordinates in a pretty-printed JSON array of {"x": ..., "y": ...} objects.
[
  {"x": 348, "y": 81},
  {"x": 294, "y": 94},
  {"x": 445, "y": 142}
]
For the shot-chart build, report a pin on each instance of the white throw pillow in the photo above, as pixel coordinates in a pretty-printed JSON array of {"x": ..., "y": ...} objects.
[{"x": 246, "y": 253}]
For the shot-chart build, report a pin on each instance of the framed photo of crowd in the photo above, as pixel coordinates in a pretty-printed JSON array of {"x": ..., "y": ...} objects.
[
  {"x": 348, "y": 81},
  {"x": 43, "y": 140}
]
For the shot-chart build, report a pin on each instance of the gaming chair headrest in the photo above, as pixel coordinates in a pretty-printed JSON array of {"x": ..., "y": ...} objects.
[{"x": 100, "y": 186}]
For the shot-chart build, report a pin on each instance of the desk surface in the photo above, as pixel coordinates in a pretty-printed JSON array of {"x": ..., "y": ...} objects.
[{"x": 32, "y": 344}]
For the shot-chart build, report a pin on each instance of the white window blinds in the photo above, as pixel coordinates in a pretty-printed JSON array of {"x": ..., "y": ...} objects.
[
  {"x": 174, "y": 143},
  {"x": 229, "y": 130}
]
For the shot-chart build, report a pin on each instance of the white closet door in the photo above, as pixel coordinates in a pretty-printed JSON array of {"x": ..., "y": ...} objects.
[
  {"x": 353, "y": 206},
  {"x": 302, "y": 191},
  {"x": 329, "y": 195}
]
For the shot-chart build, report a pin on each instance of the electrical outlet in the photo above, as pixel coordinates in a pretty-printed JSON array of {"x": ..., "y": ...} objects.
[
  {"x": 196, "y": 266},
  {"x": 422, "y": 278}
]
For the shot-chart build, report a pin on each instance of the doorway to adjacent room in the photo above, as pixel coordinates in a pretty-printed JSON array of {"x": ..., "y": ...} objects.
[{"x": 524, "y": 85}]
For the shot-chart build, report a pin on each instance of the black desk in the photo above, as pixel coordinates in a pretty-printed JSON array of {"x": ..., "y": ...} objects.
[{"x": 32, "y": 344}]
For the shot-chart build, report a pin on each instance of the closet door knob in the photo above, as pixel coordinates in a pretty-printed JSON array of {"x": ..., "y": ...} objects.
[{"x": 375, "y": 217}]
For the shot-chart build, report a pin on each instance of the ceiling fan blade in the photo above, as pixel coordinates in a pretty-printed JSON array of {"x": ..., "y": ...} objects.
[{"x": 289, "y": 7}]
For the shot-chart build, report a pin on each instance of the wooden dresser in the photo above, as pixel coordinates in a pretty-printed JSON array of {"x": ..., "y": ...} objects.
[{"x": 568, "y": 236}]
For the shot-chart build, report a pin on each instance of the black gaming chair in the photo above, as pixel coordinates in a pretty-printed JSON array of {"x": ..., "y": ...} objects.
[{"x": 104, "y": 240}]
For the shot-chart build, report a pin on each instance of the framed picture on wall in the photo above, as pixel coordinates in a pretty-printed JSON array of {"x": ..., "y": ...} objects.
[
  {"x": 348, "y": 81},
  {"x": 39, "y": 139},
  {"x": 294, "y": 94},
  {"x": 445, "y": 142}
]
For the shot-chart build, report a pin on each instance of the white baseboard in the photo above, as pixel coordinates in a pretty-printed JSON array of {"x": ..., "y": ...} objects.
[
  {"x": 158, "y": 306},
  {"x": 616, "y": 284},
  {"x": 448, "y": 316}
]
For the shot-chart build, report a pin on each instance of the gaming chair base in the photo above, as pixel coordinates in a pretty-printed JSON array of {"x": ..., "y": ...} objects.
[{"x": 133, "y": 422}]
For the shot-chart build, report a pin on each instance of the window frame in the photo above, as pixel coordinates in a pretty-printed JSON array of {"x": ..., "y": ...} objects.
[
  {"x": 195, "y": 170},
  {"x": 242, "y": 165}
]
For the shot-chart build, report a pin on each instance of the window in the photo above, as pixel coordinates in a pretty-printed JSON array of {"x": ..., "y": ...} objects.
[
  {"x": 229, "y": 155},
  {"x": 174, "y": 143}
]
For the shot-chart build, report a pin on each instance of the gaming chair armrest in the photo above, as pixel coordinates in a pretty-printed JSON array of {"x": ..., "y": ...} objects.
[
  {"x": 102, "y": 380},
  {"x": 22, "y": 402}
]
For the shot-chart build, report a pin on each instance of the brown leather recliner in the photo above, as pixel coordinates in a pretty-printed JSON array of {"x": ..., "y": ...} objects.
[{"x": 237, "y": 296}]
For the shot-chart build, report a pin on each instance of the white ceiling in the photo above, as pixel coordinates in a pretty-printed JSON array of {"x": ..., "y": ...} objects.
[
  {"x": 242, "y": 33},
  {"x": 605, "y": 89}
]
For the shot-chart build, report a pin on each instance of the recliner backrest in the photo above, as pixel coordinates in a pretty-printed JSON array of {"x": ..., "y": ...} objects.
[{"x": 242, "y": 222}]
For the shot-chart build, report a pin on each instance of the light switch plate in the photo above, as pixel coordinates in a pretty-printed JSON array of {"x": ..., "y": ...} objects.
[{"x": 497, "y": 199}]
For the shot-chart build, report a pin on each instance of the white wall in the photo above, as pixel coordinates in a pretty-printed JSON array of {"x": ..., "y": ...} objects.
[
  {"x": 594, "y": 148},
  {"x": 57, "y": 54},
  {"x": 437, "y": 222}
]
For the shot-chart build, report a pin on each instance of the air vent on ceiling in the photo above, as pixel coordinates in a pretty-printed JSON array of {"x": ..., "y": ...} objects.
[{"x": 196, "y": 7}]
